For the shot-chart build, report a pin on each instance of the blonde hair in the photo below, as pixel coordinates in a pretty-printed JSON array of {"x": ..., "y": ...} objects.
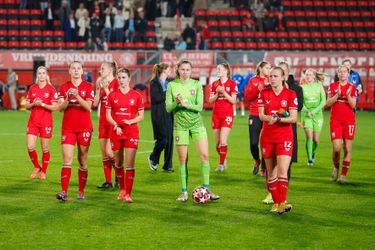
[
  {"x": 343, "y": 66},
  {"x": 227, "y": 67},
  {"x": 70, "y": 64},
  {"x": 113, "y": 66},
  {"x": 260, "y": 66},
  {"x": 158, "y": 69},
  {"x": 123, "y": 70},
  {"x": 319, "y": 76},
  {"x": 178, "y": 65},
  {"x": 282, "y": 74},
  {"x": 47, "y": 78}
]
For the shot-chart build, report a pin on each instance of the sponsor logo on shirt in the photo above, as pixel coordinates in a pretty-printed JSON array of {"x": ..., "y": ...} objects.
[
  {"x": 132, "y": 102},
  {"x": 115, "y": 101},
  {"x": 268, "y": 102}
]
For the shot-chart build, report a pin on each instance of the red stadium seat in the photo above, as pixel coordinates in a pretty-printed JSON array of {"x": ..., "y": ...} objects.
[
  {"x": 215, "y": 34},
  {"x": 353, "y": 46},
  {"x": 324, "y": 26},
  {"x": 366, "y": 16},
  {"x": 24, "y": 24},
  {"x": 216, "y": 45},
  {"x": 319, "y": 46},
  {"x": 128, "y": 46},
  {"x": 3, "y": 44},
  {"x": 240, "y": 46},
  {"x": 329, "y": 5},
  {"x": 36, "y": 45},
  {"x": 288, "y": 16},
  {"x": 48, "y": 35},
  {"x": 48, "y": 45},
  {"x": 347, "y": 26},
  {"x": 282, "y": 36},
  {"x": 211, "y": 14},
  {"x": 305, "y": 36},
  {"x": 248, "y": 36},
  {"x": 14, "y": 44},
  {"x": 308, "y": 46},
  {"x": 363, "y": 5},
  {"x": 3, "y": 35},
  {"x": 271, "y": 36},
  {"x": 299, "y": 15},
  {"x": 71, "y": 45},
  {"x": 25, "y": 45},
  {"x": 319, "y": 5},
  {"x": 345, "y": 16},
  {"x": 371, "y": 37},
  {"x": 339, "y": 37},
  {"x": 297, "y": 46},
  {"x": 262, "y": 45},
  {"x": 13, "y": 24},
  {"x": 81, "y": 45},
  {"x": 340, "y": 5},
  {"x": 308, "y": 5},
  {"x": 293, "y": 37},
  {"x": 13, "y": 14},
  {"x": 222, "y": 15},
  {"x": 311, "y": 15},
  {"x": 237, "y": 36},
  {"x": 25, "y": 35},
  {"x": 285, "y": 46},
  {"x": 200, "y": 15},
  {"x": 330, "y": 46},
  {"x": 226, "y": 36},
  {"x": 273, "y": 45},
  {"x": 321, "y": 16},
  {"x": 364, "y": 46},
  {"x": 236, "y": 25},
  {"x": 59, "y": 35},
  {"x": 3, "y": 14},
  {"x": 151, "y": 46},
  {"x": 59, "y": 45},
  {"x": 260, "y": 36},
  {"x": 228, "y": 45},
  {"x": 24, "y": 14},
  {"x": 233, "y": 15},
  {"x": 13, "y": 35},
  {"x": 291, "y": 26},
  {"x": 3, "y": 24},
  {"x": 361, "y": 36},
  {"x": 342, "y": 46},
  {"x": 35, "y": 14},
  {"x": 251, "y": 45},
  {"x": 36, "y": 24},
  {"x": 140, "y": 45},
  {"x": 313, "y": 26},
  {"x": 302, "y": 26}
]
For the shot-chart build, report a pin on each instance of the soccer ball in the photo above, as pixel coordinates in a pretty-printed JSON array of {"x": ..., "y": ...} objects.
[{"x": 201, "y": 195}]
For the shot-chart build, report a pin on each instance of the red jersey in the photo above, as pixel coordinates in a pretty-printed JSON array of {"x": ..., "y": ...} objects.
[
  {"x": 41, "y": 117},
  {"x": 76, "y": 118},
  {"x": 287, "y": 99},
  {"x": 222, "y": 106},
  {"x": 113, "y": 86},
  {"x": 341, "y": 110},
  {"x": 252, "y": 93},
  {"x": 125, "y": 107}
]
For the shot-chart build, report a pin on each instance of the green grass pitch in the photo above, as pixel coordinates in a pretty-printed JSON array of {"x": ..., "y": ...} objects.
[{"x": 326, "y": 215}]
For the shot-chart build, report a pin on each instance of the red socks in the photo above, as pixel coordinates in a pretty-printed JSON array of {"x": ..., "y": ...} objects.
[
  {"x": 218, "y": 149},
  {"x": 66, "y": 172},
  {"x": 129, "y": 179},
  {"x": 107, "y": 167},
  {"x": 283, "y": 189},
  {"x": 119, "y": 170},
  {"x": 45, "y": 160},
  {"x": 273, "y": 189},
  {"x": 82, "y": 179},
  {"x": 34, "y": 158},
  {"x": 345, "y": 167},
  {"x": 223, "y": 153}
]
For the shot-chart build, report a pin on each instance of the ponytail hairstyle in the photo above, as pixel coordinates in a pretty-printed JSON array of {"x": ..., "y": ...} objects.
[
  {"x": 282, "y": 75},
  {"x": 123, "y": 70},
  {"x": 158, "y": 69},
  {"x": 343, "y": 66},
  {"x": 178, "y": 65},
  {"x": 113, "y": 66},
  {"x": 227, "y": 67},
  {"x": 319, "y": 76},
  {"x": 286, "y": 64},
  {"x": 260, "y": 66},
  {"x": 47, "y": 78}
]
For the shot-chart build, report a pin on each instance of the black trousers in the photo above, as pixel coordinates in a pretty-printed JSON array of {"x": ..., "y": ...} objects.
[
  {"x": 255, "y": 127},
  {"x": 162, "y": 126}
]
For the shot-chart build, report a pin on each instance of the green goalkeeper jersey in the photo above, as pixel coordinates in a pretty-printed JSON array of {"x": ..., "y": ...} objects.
[
  {"x": 314, "y": 98},
  {"x": 192, "y": 93}
]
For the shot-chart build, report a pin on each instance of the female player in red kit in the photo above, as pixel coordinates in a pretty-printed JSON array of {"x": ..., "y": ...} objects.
[
  {"x": 124, "y": 110},
  {"x": 107, "y": 84},
  {"x": 342, "y": 100},
  {"x": 75, "y": 99},
  {"x": 223, "y": 95},
  {"x": 41, "y": 100},
  {"x": 277, "y": 136}
]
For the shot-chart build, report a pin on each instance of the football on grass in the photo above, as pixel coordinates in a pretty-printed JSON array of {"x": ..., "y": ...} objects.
[{"x": 201, "y": 195}]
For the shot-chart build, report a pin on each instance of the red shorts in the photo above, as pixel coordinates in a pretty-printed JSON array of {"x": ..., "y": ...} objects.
[
  {"x": 340, "y": 130},
  {"x": 72, "y": 138},
  {"x": 222, "y": 121},
  {"x": 272, "y": 150},
  {"x": 105, "y": 131},
  {"x": 43, "y": 132},
  {"x": 118, "y": 144}
]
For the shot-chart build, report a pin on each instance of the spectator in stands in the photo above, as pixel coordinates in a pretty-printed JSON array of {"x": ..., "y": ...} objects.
[
  {"x": 151, "y": 9},
  {"x": 130, "y": 28},
  {"x": 260, "y": 11},
  {"x": 89, "y": 46},
  {"x": 43, "y": 4},
  {"x": 248, "y": 23},
  {"x": 23, "y": 4},
  {"x": 119, "y": 24},
  {"x": 96, "y": 9},
  {"x": 12, "y": 88},
  {"x": 112, "y": 9},
  {"x": 84, "y": 27},
  {"x": 90, "y": 6},
  {"x": 185, "y": 7},
  {"x": 181, "y": 44},
  {"x": 172, "y": 7},
  {"x": 270, "y": 22},
  {"x": 141, "y": 25},
  {"x": 168, "y": 42},
  {"x": 189, "y": 33},
  {"x": 200, "y": 5},
  {"x": 163, "y": 8},
  {"x": 72, "y": 29},
  {"x": 49, "y": 17},
  {"x": 107, "y": 29},
  {"x": 95, "y": 26},
  {"x": 64, "y": 12},
  {"x": 81, "y": 11},
  {"x": 102, "y": 6},
  {"x": 275, "y": 5},
  {"x": 101, "y": 45},
  {"x": 199, "y": 42},
  {"x": 280, "y": 22},
  {"x": 206, "y": 35}
]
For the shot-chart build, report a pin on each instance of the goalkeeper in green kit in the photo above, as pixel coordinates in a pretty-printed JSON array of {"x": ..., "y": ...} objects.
[
  {"x": 185, "y": 99},
  {"x": 314, "y": 99}
]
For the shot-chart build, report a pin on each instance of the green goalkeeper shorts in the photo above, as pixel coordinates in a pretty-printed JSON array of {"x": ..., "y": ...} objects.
[
  {"x": 183, "y": 137},
  {"x": 315, "y": 123}
]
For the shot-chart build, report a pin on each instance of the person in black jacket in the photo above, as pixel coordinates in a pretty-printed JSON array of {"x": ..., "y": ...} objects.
[
  {"x": 296, "y": 88},
  {"x": 162, "y": 121}
]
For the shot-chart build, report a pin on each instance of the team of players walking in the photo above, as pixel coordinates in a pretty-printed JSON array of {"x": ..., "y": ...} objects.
[{"x": 273, "y": 102}]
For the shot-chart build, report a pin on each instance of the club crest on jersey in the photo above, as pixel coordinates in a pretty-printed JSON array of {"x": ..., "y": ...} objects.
[
  {"x": 177, "y": 138},
  {"x": 46, "y": 95},
  {"x": 33, "y": 94},
  {"x": 132, "y": 102},
  {"x": 92, "y": 93},
  {"x": 192, "y": 91},
  {"x": 284, "y": 103},
  {"x": 227, "y": 89},
  {"x": 83, "y": 93}
]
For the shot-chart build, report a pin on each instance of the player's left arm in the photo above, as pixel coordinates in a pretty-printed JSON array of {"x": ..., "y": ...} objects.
[{"x": 352, "y": 96}]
